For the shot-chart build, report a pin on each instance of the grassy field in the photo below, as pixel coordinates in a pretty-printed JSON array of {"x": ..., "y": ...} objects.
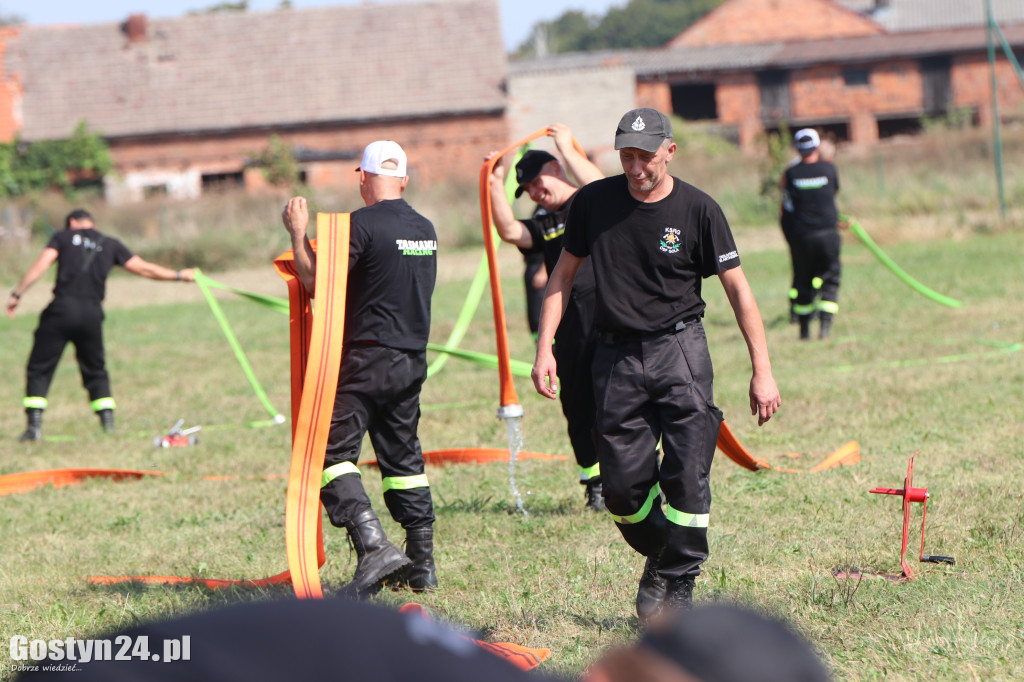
[{"x": 900, "y": 375}]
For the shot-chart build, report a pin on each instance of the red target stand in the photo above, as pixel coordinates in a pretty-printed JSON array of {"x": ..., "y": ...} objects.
[{"x": 910, "y": 495}]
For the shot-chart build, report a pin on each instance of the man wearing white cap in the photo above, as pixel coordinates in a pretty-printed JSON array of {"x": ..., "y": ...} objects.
[
  {"x": 392, "y": 269},
  {"x": 811, "y": 187}
]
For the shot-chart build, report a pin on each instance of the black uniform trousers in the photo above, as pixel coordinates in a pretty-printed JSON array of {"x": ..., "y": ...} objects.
[
  {"x": 651, "y": 387},
  {"x": 75, "y": 320},
  {"x": 575, "y": 342},
  {"x": 379, "y": 393},
  {"x": 815, "y": 256}
]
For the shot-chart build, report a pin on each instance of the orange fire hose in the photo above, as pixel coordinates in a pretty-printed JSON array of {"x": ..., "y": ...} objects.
[
  {"x": 847, "y": 455},
  {"x": 19, "y": 483},
  {"x": 508, "y": 388}
]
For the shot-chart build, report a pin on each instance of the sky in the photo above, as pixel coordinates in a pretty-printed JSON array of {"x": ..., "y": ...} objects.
[{"x": 517, "y": 16}]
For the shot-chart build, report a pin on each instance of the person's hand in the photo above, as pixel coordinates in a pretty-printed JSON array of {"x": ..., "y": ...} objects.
[
  {"x": 296, "y": 217},
  {"x": 498, "y": 171},
  {"x": 844, "y": 224},
  {"x": 562, "y": 135},
  {"x": 12, "y": 303},
  {"x": 187, "y": 275},
  {"x": 764, "y": 397},
  {"x": 544, "y": 374}
]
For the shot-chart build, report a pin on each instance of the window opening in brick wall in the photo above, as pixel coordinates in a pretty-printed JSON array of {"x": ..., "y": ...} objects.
[
  {"x": 856, "y": 76},
  {"x": 694, "y": 101},
  {"x": 220, "y": 182}
]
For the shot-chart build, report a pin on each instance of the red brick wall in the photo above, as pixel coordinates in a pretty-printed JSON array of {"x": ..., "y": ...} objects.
[
  {"x": 821, "y": 93},
  {"x": 739, "y": 104},
  {"x": 438, "y": 149},
  {"x": 762, "y": 21},
  {"x": 972, "y": 86},
  {"x": 656, "y": 95},
  {"x": 10, "y": 92}
]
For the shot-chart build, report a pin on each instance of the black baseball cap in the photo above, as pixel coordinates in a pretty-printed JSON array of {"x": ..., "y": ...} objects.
[
  {"x": 643, "y": 128},
  {"x": 529, "y": 167},
  {"x": 728, "y": 643}
]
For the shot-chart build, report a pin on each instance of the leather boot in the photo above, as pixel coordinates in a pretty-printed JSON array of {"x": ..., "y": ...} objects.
[
  {"x": 826, "y": 325},
  {"x": 595, "y": 500},
  {"x": 34, "y": 428},
  {"x": 419, "y": 547},
  {"x": 650, "y": 594},
  {"x": 679, "y": 593},
  {"x": 377, "y": 559},
  {"x": 106, "y": 420},
  {"x": 805, "y": 327}
]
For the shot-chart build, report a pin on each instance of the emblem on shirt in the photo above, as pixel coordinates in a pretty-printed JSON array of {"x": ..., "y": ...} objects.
[
  {"x": 638, "y": 124},
  {"x": 670, "y": 241},
  {"x": 85, "y": 242}
]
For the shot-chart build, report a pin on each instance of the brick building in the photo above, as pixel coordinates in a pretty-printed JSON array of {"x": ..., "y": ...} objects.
[
  {"x": 860, "y": 69},
  {"x": 188, "y": 102}
]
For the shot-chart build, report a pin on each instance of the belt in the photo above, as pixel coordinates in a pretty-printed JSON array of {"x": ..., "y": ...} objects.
[{"x": 615, "y": 338}]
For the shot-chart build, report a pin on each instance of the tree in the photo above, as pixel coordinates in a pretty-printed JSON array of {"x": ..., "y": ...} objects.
[{"x": 639, "y": 24}]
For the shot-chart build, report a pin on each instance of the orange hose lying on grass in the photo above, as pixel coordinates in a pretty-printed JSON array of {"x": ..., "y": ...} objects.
[
  {"x": 19, "y": 483},
  {"x": 474, "y": 456},
  {"x": 522, "y": 657},
  {"x": 847, "y": 455}
]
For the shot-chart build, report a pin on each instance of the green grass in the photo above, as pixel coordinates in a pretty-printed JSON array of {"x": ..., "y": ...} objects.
[{"x": 894, "y": 377}]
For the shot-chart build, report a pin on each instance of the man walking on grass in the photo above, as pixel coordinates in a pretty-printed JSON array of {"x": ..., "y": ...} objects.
[{"x": 652, "y": 238}]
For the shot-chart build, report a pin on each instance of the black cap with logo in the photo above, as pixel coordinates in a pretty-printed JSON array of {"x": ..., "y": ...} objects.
[{"x": 643, "y": 128}]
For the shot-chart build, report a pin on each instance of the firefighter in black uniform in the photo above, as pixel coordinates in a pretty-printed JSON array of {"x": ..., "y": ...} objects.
[
  {"x": 811, "y": 187},
  {"x": 392, "y": 269},
  {"x": 540, "y": 175},
  {"x": 651, "y": 239},
  {"x": 84, "y": 258}
]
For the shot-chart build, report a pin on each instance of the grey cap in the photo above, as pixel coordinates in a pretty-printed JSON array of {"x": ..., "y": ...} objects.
[{"x": 643, "y": 128}]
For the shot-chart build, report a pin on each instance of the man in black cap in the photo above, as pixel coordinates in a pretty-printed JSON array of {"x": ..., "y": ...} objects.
[
  {"x": 811, "y": 186},
  {"x": 84, "y": 258},
  {"x": 651, "y": 239},
  {"x": 543, "y": 178}
]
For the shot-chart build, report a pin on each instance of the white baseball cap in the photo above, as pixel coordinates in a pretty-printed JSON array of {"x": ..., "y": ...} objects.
[
  {"x": 806, "y": 140},
  {"x": 381, "y": 151}
]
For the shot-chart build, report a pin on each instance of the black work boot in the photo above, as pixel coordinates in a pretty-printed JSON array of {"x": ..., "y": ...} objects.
[
  {"x": 679, "y": 593},
  {"x": 650, "y": 594},
  {"x": 419, "y": 547},
  {"x": 377, "y": 559},
  {"x": 34, "y": 428},
  {"x": 106, "y": 420},
  {"x": 595, "y": 500},
  {"x": 826, "y": 325},
  {"x": 805, "y": 327}
]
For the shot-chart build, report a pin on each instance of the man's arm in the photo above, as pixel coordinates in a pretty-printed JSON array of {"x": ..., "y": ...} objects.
[
  {"x": 764, "y": 394},
  {"x": 579, "y": 165},
  {"x": 296, "y": 220},
  {"x": 509, "y": 229},
  {"x": 34, "y": 272},
  {"x": 556, "y": 297},
  {"x": 137, "y": 266}
]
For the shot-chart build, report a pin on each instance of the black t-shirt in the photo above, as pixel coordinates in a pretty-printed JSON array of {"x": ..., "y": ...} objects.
[
  {"x": 648, "y": 258},
  {"x": 547, "y": 229},
  {"x": 392, "y": 270},
  {"x": 812, "y": 188},
  {"x": 84, "y": 259}
]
